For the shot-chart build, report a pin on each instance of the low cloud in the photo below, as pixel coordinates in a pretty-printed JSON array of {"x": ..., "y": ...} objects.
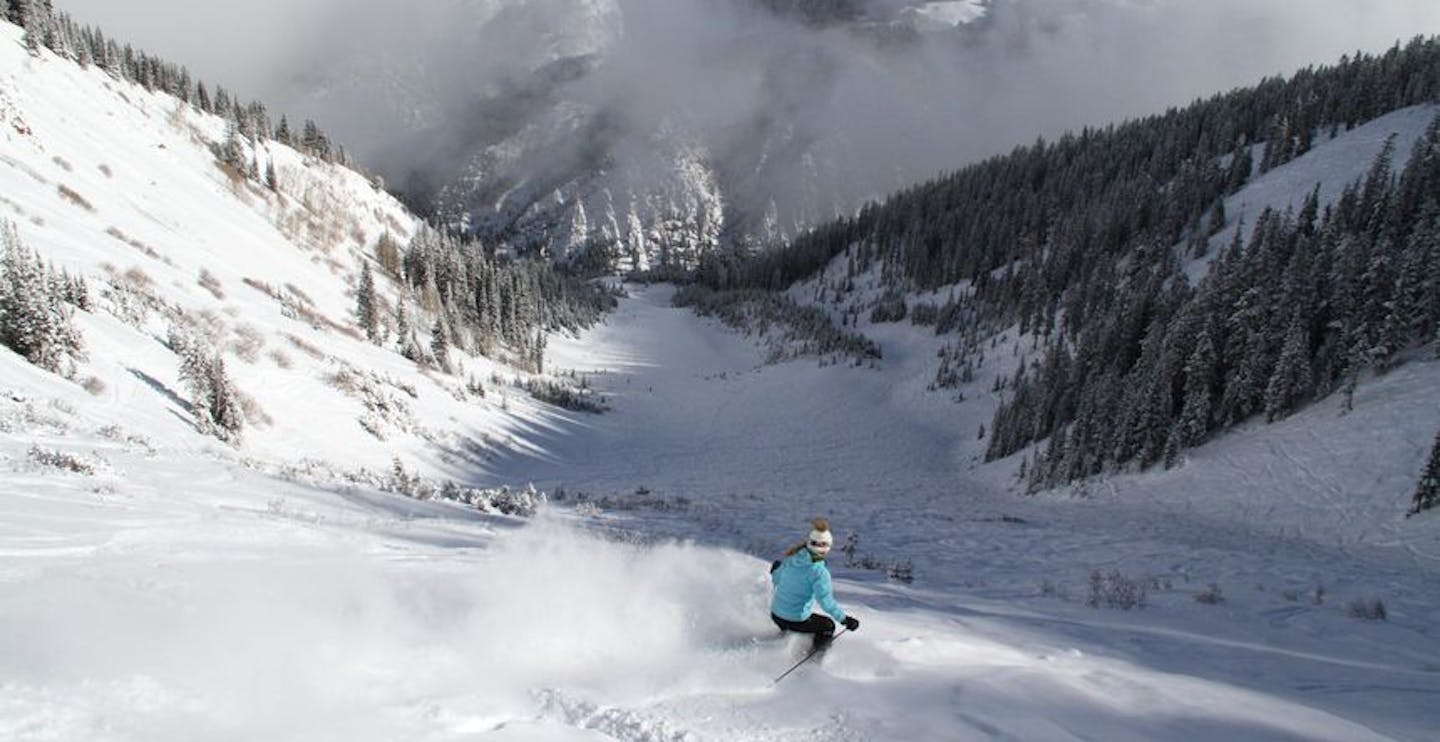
[{"x": 396, "y": 82}]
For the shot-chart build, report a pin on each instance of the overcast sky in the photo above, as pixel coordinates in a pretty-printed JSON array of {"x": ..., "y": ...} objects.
[{"x": 1040, "y": 67}]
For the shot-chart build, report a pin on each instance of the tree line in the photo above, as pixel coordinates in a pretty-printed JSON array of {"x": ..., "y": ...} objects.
[
  {"x": 89, "y": 46},
  {"x": 480, "y": 301},
  {"x": 1075, "y": 242}
]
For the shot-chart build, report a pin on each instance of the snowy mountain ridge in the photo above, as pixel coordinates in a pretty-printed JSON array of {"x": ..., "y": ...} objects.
[{"x": 556, "y": 134}]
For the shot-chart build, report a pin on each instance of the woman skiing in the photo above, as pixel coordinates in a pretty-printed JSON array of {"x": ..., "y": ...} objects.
[{"x": 801, "y": 579}]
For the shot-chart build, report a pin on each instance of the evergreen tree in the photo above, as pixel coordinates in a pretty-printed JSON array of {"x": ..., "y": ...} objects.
[
  {"x": 1291, "y": 379},
  {"x": 232, "y": 150},
  {"x": 283, "y": 133},
  {"x": 405, "y": 334},
  {"x": 1427, "y": 490},
  {"x": 366, "y": 313},
  {"x": 1200, "y": 370},
  {"x": 34, "y": 319},
  {"x": 213, "y": 398},
  {"x": 440, "y": 345},
  {"x": 35, "y": 21},
  {"x": 225, "y": 408}
]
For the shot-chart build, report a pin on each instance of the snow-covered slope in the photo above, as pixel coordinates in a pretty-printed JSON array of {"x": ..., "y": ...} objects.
[
  {"x": 121, "y": 187},
  {"x": 158, "y": 585},
  {"x": 1334, "y": 163}
]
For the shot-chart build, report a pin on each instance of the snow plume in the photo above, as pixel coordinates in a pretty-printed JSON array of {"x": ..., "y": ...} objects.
[{"x": 337, "y": 643}]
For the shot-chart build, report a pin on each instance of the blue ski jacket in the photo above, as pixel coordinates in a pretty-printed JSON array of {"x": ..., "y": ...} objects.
[{"x": 799, "y": 582}]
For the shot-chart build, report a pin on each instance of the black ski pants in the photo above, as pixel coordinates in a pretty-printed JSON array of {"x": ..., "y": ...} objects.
[{"x": 822, "y": 627}]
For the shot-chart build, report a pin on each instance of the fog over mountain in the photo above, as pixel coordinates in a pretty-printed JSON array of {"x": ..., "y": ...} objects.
[{"x": 658, "y": 129}]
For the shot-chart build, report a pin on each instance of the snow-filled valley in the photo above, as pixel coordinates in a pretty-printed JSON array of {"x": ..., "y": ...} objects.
[{"x": 158, "y": 584}]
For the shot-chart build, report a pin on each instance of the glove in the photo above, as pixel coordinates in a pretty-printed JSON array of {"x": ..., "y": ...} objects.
[
  {"x": 774, "y": 566},
  {"x": 851, "y": 623}
]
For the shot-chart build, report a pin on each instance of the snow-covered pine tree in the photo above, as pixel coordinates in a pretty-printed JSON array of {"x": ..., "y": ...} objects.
[
  {"x": 283, "y": 134},
  {"x": 1380, "y": 325},
  {"x": 366, "y": 313},
  {"x": 1200, "y": 369},
  {"x": 1427, "y": 490},
  {"x": 34, "y": 319},
  {"x": 232, "y": 150},
  {"x": 29, "y": 17},
  {"x": 225, "y": 408},
  {"x": 405, "y": 333},
  {"x": 1292, "y": 378},
  {"x": 440, "y": 344},
  {"x": 213, "y": 398}
]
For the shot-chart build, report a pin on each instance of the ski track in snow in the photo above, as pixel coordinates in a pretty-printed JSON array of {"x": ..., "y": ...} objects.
[{"x": 355, "y": 616}]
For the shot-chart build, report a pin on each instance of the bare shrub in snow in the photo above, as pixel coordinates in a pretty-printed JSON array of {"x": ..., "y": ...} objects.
[
  {"x": 52, "y": 459},
  {"x": 210, "y": 283},
  {"x": 629, "y": 502},
  {"x": 387, "y": 252},
  {"x": 1116, "y": 590},
  {"x": 1367, "y": 609},
  {"x": 281, "y": 359},
  {"x": 262, "y": 287},
  {"x": 344, "y": 379},
  {"x": 1210, "y": 595},
  {"x": 299, "y": 294},
  {"x": 248, "y": 343},
  {"x": 69, "y": 194},
  {"x": 900, "y": 571},
  {"x": 255, "y": 415},
  {"x": 120, "y": 435},
  {"x": 137, "y": 244},
  {"x": 305, "y": 347},
  {"x": 94, "y": 385},
  {"x": 138, "y": 278}
]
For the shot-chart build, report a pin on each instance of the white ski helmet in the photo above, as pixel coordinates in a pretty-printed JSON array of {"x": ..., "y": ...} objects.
[{"x": 820, "y": 540}]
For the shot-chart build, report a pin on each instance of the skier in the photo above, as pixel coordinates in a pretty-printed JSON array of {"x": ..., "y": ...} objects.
[{"x": 801, "y": 579}]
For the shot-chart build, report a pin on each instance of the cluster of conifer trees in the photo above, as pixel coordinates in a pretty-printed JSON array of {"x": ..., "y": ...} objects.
[
  {"x": 58, "y": 32},
  {"x": 479, "y": 301},
  {"x": 1142, "y": 365},
  {"x": 36, "y": 306},
  {"x": 1075, "y": 241},
  {"x": 1096, "y": 194}
]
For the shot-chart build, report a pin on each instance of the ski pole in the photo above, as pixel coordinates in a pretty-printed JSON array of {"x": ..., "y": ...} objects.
[{"x": 807, "y": 657}]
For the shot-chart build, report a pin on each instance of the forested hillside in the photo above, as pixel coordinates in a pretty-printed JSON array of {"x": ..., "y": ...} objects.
[
  {"x": 1084, "y": 243},
  {"x": 187, "y": 270}
]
